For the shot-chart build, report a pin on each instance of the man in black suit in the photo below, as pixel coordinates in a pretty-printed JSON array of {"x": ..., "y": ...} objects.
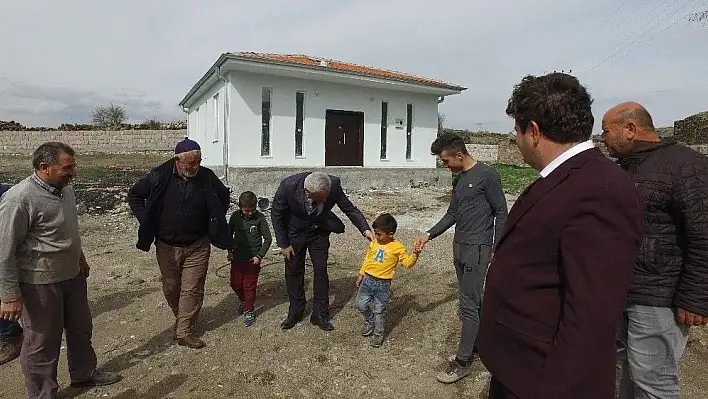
[{"x": 302, "y": 219}]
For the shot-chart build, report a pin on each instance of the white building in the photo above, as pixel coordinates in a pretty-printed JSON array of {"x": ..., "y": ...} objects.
[{"x": 254, "y": 110}]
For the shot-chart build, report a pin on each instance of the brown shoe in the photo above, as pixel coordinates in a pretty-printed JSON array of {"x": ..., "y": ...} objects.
[
  {"x": 10, "y": 348},
  {"x": 191, "y": 341}
]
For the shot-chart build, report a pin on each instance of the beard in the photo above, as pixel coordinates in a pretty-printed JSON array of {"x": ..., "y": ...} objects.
[{"x": 186, "y": 173}]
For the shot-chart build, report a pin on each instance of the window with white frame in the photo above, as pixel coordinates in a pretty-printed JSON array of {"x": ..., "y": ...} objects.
[
  {"x": 299, "y": 121},
  {"x": 216, "y": 116},
  {"x": 197, "y": 123},
  {"x": 409, "y": 131},
  {"x": 266, "y": 95},
  {"x": 384, "y": 130}
]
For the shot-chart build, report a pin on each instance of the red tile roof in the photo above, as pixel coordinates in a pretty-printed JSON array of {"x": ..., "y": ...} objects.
[{"x": 340, "y": 66}]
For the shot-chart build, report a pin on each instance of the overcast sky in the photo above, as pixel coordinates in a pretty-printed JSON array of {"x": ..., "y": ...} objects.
[{"x": 59, "y": 59}]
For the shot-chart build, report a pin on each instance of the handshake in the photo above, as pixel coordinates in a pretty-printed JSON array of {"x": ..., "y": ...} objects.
[{"x": 420, "y": 242}]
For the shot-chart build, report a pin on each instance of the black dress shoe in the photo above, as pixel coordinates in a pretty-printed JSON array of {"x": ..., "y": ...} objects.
[
  {"x": 290, "y": 321},
  {"x": 322, "y": 323}
]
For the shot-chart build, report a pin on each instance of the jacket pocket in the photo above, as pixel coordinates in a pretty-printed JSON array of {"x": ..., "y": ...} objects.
[{"x": 525, "y": 326}]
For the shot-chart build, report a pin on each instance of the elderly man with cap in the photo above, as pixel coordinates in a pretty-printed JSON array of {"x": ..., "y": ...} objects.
[{"x": 181, "y": 207}]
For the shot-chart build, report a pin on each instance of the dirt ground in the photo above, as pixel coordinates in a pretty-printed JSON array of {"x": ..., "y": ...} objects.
[{"x": 132, "y": 323}]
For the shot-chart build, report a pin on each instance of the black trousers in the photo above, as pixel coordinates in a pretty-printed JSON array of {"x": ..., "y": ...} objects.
[
  {"x": 497, "y": 390},
  {"x": 316, "y": 242}
]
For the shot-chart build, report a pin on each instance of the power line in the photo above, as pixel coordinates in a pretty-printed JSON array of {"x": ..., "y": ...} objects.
[
  {"x": 624, "y": 46},
  {"x": 628, "y": 37},
  {"x": 632, "y": 12},
  {"x": 651, "y": 39},
  {"x": 586, "y": 41}
]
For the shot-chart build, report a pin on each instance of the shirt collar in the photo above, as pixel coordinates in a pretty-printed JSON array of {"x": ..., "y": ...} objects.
[
  {"x": 569, "y": 153},
  {"x": 53, "y": 190}
]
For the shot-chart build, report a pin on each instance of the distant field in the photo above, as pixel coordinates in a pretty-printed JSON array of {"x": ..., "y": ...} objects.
[
  {"x": 93, "y": 169},
  {"x": 515, "y": 178},
  {"x": 120, "y": 170}
]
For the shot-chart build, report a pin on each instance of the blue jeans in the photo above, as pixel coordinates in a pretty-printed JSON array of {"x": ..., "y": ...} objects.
[
  {"x": 372, "y": 300},
  {"x": 9, "y": 329},
  {"x": 653, "y": 343}
]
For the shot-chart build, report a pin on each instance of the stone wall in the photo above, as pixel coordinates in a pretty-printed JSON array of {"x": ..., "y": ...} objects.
[
  {"x": 103, "y": 141},
  {"x": 484, "y": 152},
  {"x": 509, "y": 154},
  {"x": 692, "y": 130}
]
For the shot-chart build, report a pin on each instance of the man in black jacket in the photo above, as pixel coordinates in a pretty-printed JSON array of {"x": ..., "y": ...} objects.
[
  {"x": 302, "y": 219},
  {"x": 669, "y": 289},
  {"x": 181, "y": 207}
]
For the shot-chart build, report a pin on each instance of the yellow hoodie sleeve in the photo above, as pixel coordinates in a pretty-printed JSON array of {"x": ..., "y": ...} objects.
[
  {"x": 405, "y": 259},
  {"x": 367, "y": 259}
]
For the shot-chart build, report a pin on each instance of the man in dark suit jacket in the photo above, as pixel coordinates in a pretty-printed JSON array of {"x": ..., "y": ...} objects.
[
  {"x": 558, "y": 281},
  {"x": 302, "y": 219}
]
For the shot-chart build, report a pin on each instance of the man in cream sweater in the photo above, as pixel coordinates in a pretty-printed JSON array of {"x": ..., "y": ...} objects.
[{"x": 43, "y": 274}]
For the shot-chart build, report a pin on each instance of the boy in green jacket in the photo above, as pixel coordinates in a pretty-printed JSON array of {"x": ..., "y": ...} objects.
[{"x": 252, "y": 237}]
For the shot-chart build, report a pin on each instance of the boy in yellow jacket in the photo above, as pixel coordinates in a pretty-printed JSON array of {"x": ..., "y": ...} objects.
[{"x": 377, "y": 270}]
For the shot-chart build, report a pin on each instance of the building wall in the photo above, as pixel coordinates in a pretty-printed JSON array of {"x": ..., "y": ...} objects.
[
  {"x": 103, "y": 141},
  {"x": 265, "y": 181},
  {"x": 205, "y": 124},
  {"x": 245, "y": 122}
]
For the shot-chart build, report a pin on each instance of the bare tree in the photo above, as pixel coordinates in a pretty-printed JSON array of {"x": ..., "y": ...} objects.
[
  {"x": 699, "y": 17},
  {"x": 153, "y": 123},
  {"x": 111, "y": 116}
]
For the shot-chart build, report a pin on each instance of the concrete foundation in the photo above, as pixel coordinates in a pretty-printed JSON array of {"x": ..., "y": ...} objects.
[{"x": 264, "y": 181}]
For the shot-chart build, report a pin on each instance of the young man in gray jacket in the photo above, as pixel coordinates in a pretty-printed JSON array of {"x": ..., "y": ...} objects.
[
  {"x": 478, "y": 209},
  {"x": 43, "y": 272}
]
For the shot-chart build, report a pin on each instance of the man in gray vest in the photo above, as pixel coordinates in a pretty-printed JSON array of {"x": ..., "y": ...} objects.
[{"x": 43, "y": 274}]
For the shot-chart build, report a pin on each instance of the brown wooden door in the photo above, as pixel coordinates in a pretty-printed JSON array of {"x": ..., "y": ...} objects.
[{"x": 344, "y": 138}]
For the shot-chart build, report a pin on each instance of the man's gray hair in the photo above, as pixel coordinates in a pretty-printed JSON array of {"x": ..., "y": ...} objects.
[
  {"x": 48, "y": 153},
  {"x": 318, "y": 182}
]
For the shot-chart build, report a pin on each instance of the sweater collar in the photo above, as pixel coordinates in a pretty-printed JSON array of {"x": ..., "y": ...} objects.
[{"x": 51, "y": 189}]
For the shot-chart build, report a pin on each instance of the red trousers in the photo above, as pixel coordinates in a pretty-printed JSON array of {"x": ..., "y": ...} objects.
[{"x": 244, "y": 279}]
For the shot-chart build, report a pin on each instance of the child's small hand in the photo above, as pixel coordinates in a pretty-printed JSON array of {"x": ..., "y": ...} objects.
[
  {"x": 256, "y": 260},
  {"x": 230, "y": 256},
  {"x": 358, "y": 280}
]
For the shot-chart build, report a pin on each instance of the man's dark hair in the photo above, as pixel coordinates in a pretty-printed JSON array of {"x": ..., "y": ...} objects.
[
  {"x": 386, "y": 223},
  {"x": 48, "y": 153},
  {"x": 247, "y": 199},
  {"x": 557, "y": 102},
  {"x": 448, "y": 142}
]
